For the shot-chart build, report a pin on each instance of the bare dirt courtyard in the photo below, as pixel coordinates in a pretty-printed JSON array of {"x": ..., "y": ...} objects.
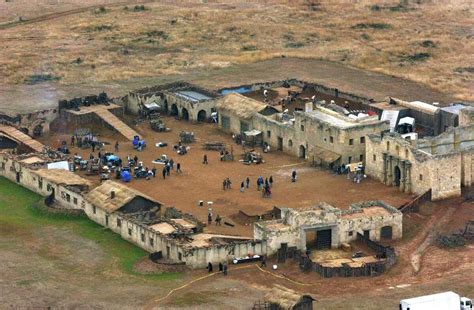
[{"x": 204, "y": 182}]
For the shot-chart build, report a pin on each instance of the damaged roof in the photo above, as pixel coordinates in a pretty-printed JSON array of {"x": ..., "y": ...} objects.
[
  {"x": 61, "y": 177},
  {"x": 101, "y": 196},
  {"x": 243, "y": 107}
]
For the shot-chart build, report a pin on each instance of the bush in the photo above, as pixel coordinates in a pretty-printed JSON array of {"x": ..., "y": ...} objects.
[
  {"x": 158, "y": 33},
  {"x": 139, "y": 8},
  {"x": 247, "y": 48},
  {"x": 294, "y": 44},
  {"x": 375, "y": 8},
  {"x": 416, "y": 57},
  {"x": 464, "y": 69},
  {"x": 100, "y": 10},
  {"x": 365, "y": 36},
  {"x": 39, "y": 78},
  {"x": 372, "y": 26},
  {"x": 428, "y": 43},
  {"x": 451, "y": 241}
]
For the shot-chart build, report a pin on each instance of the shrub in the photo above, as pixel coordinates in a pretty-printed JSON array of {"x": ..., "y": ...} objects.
[
  {"x": 247, "y": 48},
  {"x": 464, "y": 69},
  {"x": 294, "y": 44},
  {"x": 365, "y": 36},
  {"x": 39, "y": 78},
  {"x": 372, "y": 26},
  {"x": 416, "y": 57},
  {"x": 428, "y": 43},
  {"x": 139, "y": 8},
  {"x": 451, "y": 241}
]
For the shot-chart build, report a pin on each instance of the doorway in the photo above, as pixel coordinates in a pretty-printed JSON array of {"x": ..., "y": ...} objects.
[
  {"x": 174, "y": 110},
  {"x": 386, "y": 232},
  {"x": 280, "y": 144},
  {"x": 397, "y": 174},
  {"x": 302, "y": 153},
  {"x": 185, "y": 114},
  {"x": 202, "y": 117}
]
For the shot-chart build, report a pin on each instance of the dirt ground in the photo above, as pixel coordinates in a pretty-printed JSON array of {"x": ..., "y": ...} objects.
[
  {"x": 89, "y": 51},
  {"x": 204, "y": 182}
]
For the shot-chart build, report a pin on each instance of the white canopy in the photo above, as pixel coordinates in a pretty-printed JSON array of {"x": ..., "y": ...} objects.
[{"x": 407, "y": 120}]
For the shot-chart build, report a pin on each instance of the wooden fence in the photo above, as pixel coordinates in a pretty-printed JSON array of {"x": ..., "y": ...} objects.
[{"x": 368, "y": 269}]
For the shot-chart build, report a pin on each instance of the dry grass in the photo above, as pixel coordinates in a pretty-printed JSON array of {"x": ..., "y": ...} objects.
[{"x": 170, "y": 39}]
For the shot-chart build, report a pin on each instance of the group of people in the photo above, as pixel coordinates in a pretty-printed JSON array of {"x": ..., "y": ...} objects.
[
  {"x": 218, "y": 219},
  {"x": 222, "y": 268},
  {"x": 265, "y": 186},
  {"x": 226, "y": 184}
]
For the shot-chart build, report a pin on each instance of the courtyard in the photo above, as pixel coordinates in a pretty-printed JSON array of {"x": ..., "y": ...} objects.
[{"x": 204, "y": 182}]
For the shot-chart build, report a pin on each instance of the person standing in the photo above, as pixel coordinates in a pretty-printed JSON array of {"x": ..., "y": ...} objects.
[
  {"x": 209, "y": 218},
  {"x": 242, "y": 187},
  {"x": 247, "y": 182},
  {"x": 209, "y": 267},
  {"x": 270, "y": 180},
  {"x": 293, "y": 176},
  {"x": 228, "y": 183},
  {"x": 204, "y": 161},
  {"x": 224, "y": 184},
  {"x": 178, "y": 167},
  {"x": 116, "y": 146},
  {"x": 164, "y": 173},
  {"x": 154, "y": 171}
]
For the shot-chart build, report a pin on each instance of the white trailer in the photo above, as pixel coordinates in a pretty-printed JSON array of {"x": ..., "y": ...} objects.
[{"x": 441, "y": 301}]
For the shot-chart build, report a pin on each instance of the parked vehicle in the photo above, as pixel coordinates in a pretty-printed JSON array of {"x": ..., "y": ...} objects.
[{"x": 441, "y": 301}]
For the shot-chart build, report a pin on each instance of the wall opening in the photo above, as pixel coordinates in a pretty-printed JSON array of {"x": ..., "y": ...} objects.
[
  {"x": 185, "y": 114},
  {"x": 396, "y": 176},
  {"x": 280, "y": 144},
  {"x": 174, "y": 110},
  {"x": 202, "y": 117},
  {"x": 302, "y": 152},
  {"x": 386, "y": 232}
]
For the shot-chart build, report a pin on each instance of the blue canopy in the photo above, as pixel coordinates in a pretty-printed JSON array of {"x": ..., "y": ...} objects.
[{"x": 112, "y": 158}]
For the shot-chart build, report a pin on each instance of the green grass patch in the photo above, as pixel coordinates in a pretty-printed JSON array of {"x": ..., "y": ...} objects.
[{"x": 23, "y": 211}]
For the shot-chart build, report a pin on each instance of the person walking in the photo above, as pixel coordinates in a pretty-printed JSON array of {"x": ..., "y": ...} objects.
[
  {"x": 116, "y": 146},
  {"x": 164, "y": 173},
  {"x": 228, "y": 183},
  {"x": 293, "y": 176},
  {"x": 242, "y": 187},
  {"x": 204, "y": 161},
  {"x": 224, "y": 268},
  {"x": 270, "y": 180},
  {"x": 209, "y": 267},
  {"x": 247, "y": 182},
  {"x": 209, "y": 218},
  {"x": 171, "y": 163},
  {"x": 218, "y": 220},
  {"x": 168, "y": 169},
  {"x": 224, "y": 184},
  {"x": 178, "y": 168}
]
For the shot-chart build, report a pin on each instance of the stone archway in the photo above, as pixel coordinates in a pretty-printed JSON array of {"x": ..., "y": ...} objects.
[
  {"x": 302, "y": 152},
  {"x": 185, "y": 114},
  {"x": 202, "y": 116},
  {"x": 396, "y": 176},
  {"x": 174, "y": 110}
]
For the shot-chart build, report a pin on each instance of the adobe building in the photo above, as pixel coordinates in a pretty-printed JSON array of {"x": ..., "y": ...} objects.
[
  {"x": 181, "y": 99},
  {"x": 322, "y": 134},
  {"x": 443, "y": 164},
  {"x": 324, "y": 226},
  {"x": 137, "y": 218}
]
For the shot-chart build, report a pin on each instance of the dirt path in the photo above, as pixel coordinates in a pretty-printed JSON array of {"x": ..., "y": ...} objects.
[{"x": 55, "y": 15}]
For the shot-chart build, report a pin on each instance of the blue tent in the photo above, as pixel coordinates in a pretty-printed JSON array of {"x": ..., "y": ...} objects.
[
  {"x": 126, "y": 176},
  {"x": 112, "y": 158},
  {"x": 135, "y": 140}
]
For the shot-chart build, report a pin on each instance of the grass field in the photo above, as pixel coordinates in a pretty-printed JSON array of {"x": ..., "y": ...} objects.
[
  {"x": 22, "y": 211},
  {"x": 417, "y": 40}
]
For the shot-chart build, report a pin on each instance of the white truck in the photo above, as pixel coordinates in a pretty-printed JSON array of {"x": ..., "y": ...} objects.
[{"x": 441, "y": 301}]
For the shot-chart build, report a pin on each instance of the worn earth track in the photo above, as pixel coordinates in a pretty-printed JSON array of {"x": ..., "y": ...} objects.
[{"x": 67, "y": 13}]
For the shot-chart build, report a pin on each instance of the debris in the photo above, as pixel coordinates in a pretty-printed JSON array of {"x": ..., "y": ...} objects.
[{"x": 186, "y": 137}]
